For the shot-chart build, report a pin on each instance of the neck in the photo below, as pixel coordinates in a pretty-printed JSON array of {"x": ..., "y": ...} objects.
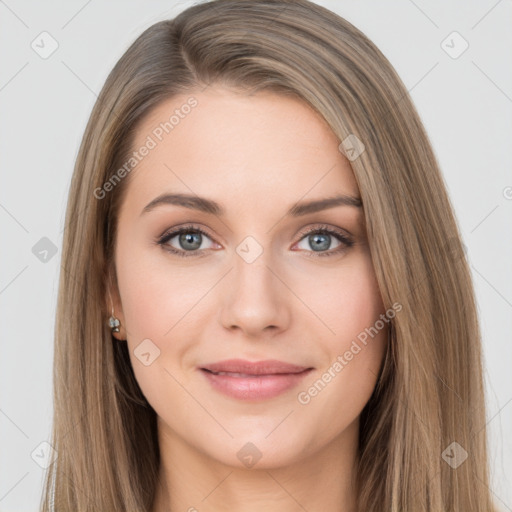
[{"x": 190, "y": 480}]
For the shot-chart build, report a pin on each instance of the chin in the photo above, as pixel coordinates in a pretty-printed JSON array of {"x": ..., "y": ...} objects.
[{"x": 256, "y": 452}]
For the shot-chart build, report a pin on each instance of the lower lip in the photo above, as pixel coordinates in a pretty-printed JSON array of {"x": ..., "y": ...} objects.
[{"x": 259, "y": 387}]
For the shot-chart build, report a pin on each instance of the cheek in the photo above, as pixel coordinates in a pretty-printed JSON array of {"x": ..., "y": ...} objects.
[
  {"x": 351, "y": 306},
  {"x": 345, "y": 300},
  {"x": 160, "y": 302},
  {"x": 156, "y": 297},
  {"x": 155, "y": 304},
  {"x": 361, "y": 334}
]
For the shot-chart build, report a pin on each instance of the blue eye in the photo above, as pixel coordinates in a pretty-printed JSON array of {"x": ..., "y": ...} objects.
[
  {"x": 190, "y": 240},
  {"x": 320, "y": 239}
]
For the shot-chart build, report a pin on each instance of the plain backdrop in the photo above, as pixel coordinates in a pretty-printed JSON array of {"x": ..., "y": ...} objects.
[{"x": 465, "y": 102}]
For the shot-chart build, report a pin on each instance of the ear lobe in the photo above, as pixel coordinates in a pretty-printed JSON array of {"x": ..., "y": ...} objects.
[{"x": 120, "y": 336}]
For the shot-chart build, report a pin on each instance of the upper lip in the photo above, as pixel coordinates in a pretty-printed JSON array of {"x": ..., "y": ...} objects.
[{"x": 266, "y": 367}]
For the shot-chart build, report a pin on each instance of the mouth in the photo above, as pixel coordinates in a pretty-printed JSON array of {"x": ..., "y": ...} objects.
[{"x": 244, "y": 380}]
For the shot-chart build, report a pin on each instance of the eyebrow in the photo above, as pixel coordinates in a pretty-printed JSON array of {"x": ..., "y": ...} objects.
[{"x": 205, "y": 205}]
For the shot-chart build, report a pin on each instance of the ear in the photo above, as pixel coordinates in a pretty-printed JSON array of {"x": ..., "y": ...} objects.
[{"x": 113, "y": 300}]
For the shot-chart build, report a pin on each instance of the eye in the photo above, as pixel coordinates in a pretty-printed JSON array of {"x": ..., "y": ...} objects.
[
  {"x": 320, "y": 239},
  {"x": 189, "y": 240}
]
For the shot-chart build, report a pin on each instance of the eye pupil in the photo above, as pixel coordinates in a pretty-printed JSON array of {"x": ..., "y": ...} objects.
[
  {"x": 319, "y": 241},
  {"x": 188, "y": 238}
]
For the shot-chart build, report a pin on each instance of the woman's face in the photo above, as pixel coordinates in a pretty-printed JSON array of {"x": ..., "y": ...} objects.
[{"x": 265, "y": 281}]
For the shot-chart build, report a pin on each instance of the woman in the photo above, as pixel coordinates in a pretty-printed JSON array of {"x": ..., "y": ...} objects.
[{"x": 265, "y": 303}]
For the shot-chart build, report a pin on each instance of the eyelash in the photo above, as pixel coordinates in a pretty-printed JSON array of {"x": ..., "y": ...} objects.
[{"x": 346, "y": 242}]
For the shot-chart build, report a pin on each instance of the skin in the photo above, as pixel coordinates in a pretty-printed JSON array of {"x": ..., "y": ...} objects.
[{"x": 256, "y": 156}]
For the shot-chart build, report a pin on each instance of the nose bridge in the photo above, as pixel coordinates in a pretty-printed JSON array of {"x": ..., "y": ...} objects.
[
  {"x": 254, "y": 298},
  {"x": 251, "y": 270}
]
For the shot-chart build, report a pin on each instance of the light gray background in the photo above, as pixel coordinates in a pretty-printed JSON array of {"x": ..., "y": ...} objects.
[{"x": 465, "y": 104}]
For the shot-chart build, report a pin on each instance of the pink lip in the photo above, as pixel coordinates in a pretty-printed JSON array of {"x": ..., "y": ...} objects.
[{"x": 259, "y": 380}]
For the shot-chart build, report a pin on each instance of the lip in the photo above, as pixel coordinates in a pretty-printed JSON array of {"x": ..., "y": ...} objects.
[{"x": 246, "y": 380}]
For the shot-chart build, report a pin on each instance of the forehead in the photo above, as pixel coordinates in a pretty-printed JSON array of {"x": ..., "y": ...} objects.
[{"x": 239, "y": 147}]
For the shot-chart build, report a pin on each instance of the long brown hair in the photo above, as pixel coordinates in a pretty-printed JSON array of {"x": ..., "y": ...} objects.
[{"x": 427, "y": 409}]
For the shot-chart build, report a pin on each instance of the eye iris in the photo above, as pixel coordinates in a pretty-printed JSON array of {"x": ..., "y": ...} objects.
[
  {"x": 190, "y": 238},
  {"x": 319, "y": 241}
]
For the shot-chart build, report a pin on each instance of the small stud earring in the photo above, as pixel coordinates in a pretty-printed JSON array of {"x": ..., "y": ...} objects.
[{"x": 114, "y": 322}]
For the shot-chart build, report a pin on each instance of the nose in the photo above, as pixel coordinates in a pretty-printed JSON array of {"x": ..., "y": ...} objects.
[{"x": 254, "y": 298}]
